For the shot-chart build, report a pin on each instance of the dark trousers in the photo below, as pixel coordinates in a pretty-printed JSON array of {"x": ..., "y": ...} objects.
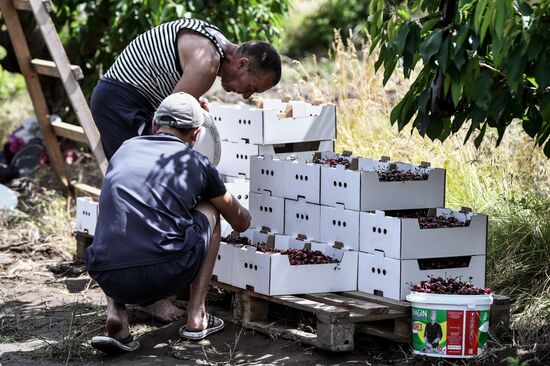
[{"x": 119, "y": 110}]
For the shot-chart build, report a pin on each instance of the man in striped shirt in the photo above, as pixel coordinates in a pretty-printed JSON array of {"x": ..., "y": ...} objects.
[{"x": 185, "y": 55}]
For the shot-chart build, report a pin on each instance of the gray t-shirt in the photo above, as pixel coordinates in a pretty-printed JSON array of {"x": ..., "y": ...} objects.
[{"x": 151, "y": 185}]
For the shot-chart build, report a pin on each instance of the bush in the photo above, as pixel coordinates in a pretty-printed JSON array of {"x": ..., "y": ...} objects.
[{"x": 316, "y": 32}]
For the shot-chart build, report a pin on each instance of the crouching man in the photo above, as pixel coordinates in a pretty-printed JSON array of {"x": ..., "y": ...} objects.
[{"x": 158, "y": 229}]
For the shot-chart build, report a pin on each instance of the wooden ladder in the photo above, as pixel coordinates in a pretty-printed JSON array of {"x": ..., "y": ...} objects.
[{"x": 69, "y": 74}]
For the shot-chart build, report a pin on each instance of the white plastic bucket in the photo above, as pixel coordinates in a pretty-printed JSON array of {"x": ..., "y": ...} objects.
[
  {"x": 454, "y": 326},
  {"x": 209, "y": 143}
]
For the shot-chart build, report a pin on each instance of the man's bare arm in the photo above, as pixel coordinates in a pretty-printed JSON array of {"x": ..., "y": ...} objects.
[
  {"x": 236, "y": 215},
  {"x": 199, "y": 62}
]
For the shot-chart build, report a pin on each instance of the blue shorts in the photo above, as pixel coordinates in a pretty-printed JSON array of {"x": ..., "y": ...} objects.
[
  {"x": 147, "y": 284},
  {"x": 119, "y": 110}
]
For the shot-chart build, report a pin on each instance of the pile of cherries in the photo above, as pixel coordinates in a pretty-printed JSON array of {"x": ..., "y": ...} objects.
[
  {"x": 298, "y": 257},
  {"x": 333, "y": 161},
  {"x": 448, "y": 286},
  {"x": 307, "y": 256},
  {"x": 442, "y": 263},
  {"x": 436, "y": 222},
  {"x": 430, "y": 222},
  {"x": 396, "y": 175},
  {"x": 231, "y": 239},
  {"x": 295, "y": 256}
]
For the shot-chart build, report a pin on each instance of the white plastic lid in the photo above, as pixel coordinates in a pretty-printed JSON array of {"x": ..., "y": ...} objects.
[{"x": 465, "y": 300}]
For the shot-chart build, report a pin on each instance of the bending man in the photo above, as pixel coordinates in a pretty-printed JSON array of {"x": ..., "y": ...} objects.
[{"x": 184, "y": 55}]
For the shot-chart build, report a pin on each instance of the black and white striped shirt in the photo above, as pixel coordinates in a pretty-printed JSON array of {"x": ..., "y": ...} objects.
[{"x": 151, "y": 63}]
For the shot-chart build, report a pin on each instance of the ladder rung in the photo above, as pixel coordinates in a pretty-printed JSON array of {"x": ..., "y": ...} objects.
[
  {"x": 26, "y": 5},
  {"x": 69, "y": 131},
  {"x": 48, "y": 68},
  {"x": 86, "y": 189}
]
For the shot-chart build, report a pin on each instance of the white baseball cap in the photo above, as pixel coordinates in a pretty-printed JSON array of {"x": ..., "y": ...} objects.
[{"x": 183, "y": 111}]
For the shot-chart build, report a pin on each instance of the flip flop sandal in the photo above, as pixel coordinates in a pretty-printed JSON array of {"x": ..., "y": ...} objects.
[
  {"x": 201, "y": 334},
  {"x": 110, "y": 345}
]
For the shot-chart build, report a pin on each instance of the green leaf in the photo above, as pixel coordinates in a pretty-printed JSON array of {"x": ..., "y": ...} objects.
[
  {"x": 478, "y": 15},
  {"x": 533, "y": 81},
  {"x": 515, "y": 66},
  {"x": 545, "y": 107},
  {"x": 421, "y": 123},
  {"x": 413, "y": 38},
  {"x": 458, "y": 121},
  {"x": 402, "y": 37},
  {"x": 461, "y": 37},
  {"x": 446, "y": 122},
  {"x": 532, "y": 122},
  {"x": 447, "y": 83},
  {"x": 407, "y": 112},
  {"x": 487, "y": 20},
  {"x": 396, "y": 111},
  {"x": 428, "y": 25},
  {"x": 542, "y": 75},
  {"x": 403, "y": 12},
  {"x": 443, "y": 55},
  {"x": 389, "y": 66},
  {"x": 456, "y": 91},
  {"x": 431, "y": 45},
  {"x": 423, "y": 100},
  {"x": 534, "y": 48},
  {"x": 434, "y": 128},
  {"x": 473, "y": 127},
  {"x": 479, "y": 138},
  {"x": 381, "y": 58},
  {"x": 500, "y": 17}
]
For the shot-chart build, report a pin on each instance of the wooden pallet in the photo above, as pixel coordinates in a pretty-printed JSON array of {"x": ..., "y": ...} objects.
[{"x": 339, "y": 316}]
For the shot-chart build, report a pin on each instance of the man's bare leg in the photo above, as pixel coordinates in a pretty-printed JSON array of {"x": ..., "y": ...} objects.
[
  {"x": 196, "y": 311},
  {"x": 117, "y": 321}
]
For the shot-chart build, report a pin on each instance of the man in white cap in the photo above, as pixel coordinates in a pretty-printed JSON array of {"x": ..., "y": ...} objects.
[{"x": 158, "y": 229}]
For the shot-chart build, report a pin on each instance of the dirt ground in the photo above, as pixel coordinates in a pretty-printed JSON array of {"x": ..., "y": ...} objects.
[{"x": 49, "y": 311}]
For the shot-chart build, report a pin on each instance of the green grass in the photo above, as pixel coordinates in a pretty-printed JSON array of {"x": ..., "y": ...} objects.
[
  {"x": 510, "y": 183},
  {"x": 15, "y": 102}
]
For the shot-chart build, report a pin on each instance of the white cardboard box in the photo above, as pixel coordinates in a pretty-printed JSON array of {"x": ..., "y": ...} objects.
[
  {"x": 87, "y": 211},
  {"x": 391, "y": 277},
  {"x": 340, "y": 225},
  {"x": 267, "y": 173},
  {"x": 302, "y": 218},
  {"x": 240, "y": 189},
  {"x": 302, "y": 179},
  {"x": 223, "y": 267},
  {"x": 264, "y": 127},
  {"x": 267, "y": 211},
  {"x": 359, "y": 187},
  {"x": 272, "y": 274},
  {"x": 403, "y": 238},
  {"x": 235, "y": 157}
]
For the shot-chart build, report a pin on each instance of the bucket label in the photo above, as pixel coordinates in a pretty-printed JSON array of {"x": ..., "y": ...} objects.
[
  {"x": 455, "y": 322},
  {"x": 449, "y": 332}
]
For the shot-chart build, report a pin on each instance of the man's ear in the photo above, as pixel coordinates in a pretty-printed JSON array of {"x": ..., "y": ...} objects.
[
  {"x": 195, "y": 134},
  {"x": 244, "y": 62},
  {"x": 154, "y": 127}
]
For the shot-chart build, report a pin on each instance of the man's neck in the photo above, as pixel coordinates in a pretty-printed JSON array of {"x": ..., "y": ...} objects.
[
  {"x": 230, "y": 53},
  {"x": 175, "y": 132}
]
